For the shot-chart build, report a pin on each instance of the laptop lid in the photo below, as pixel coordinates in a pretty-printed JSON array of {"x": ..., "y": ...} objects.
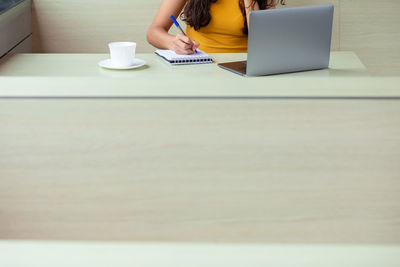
[{"x": 289, "y": 39}]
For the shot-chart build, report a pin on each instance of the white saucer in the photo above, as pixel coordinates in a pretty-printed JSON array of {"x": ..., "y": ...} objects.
[{"x": 108, "y": 64}]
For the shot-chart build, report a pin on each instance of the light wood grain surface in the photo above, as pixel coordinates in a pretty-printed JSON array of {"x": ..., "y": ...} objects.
[{"x": 303, "y": 171}]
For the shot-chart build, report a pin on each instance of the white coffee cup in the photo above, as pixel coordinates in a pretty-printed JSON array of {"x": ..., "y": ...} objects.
[{"x": 122, "y": 53}]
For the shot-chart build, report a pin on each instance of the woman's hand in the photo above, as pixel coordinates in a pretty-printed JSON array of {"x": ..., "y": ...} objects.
[
  {"x": 158, "y": 35},
  {"x": 183, "y": 45},
  {"x": 250, "y": 5}
]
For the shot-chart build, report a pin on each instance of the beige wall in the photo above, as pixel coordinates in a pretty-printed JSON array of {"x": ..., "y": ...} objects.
[
  {"x": 371, "y": 28},
  {"x": 87, "y": 26},
  {"x": 368, "y": 27}
]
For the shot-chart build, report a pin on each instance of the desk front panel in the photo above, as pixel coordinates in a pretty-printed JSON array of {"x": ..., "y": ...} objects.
[{"x": 303, "y": 171}]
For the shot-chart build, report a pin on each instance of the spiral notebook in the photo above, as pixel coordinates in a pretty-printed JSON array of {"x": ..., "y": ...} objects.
[{"x": 197, "y": 58}]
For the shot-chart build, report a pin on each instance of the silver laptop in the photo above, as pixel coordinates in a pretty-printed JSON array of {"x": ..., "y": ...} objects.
[{"x": 286, "y": 40}]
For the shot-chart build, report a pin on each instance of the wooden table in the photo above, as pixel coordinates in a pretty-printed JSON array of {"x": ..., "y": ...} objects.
[{"x": 77, "y": 75}]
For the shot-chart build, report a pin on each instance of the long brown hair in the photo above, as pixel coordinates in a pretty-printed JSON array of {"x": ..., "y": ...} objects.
[{"x": 196, "y": 13}]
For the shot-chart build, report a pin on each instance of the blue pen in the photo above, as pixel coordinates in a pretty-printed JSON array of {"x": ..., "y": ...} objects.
[{"x": 179, "y": 27}]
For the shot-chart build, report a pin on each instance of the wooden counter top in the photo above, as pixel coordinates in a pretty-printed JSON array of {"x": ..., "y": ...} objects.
[{"x": 77, "y": 75}]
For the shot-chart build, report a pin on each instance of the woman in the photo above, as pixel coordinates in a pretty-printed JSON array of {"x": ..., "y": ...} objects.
[{"x": 217, "y": 26}]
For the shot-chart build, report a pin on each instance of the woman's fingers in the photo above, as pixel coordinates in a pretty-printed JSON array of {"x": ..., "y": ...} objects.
[
  {"x": 184, "y": 39},
  {"x": 195, "y": 45},
  {"x": 184, "y": 45},
  {"x": 182, "y": 49},
  {"x": 183, "y": 52}
]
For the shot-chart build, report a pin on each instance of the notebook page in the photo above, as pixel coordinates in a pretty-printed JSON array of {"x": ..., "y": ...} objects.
[{"x": 173, "y": 58}]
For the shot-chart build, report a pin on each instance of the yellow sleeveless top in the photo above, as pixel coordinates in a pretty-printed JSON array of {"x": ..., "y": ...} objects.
[{"x": 224, "y": 32}]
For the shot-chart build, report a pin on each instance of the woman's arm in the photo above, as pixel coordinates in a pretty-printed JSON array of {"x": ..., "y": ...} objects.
[
  {"x": 158, "y": 35},
  {"x": 250, "y": 6}
]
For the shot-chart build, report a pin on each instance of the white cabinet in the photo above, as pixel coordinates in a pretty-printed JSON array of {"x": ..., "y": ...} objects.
[
  {"x": 15, "y": 27},
  {"x": 23, "y": 47}
]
